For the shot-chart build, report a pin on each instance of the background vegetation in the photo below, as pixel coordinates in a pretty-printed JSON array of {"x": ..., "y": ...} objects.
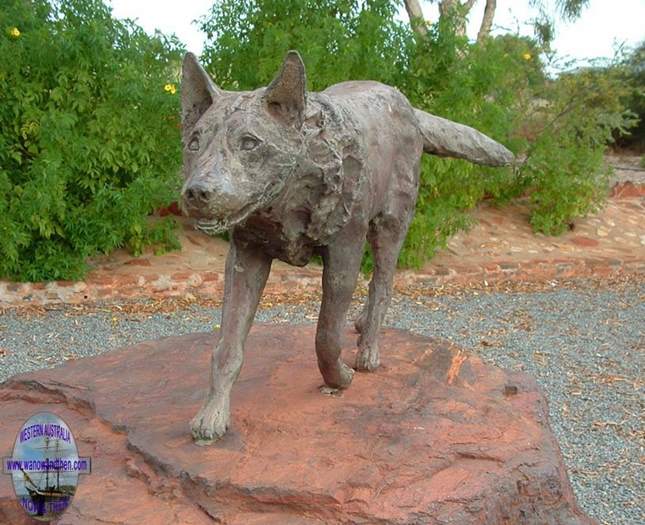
[
  {"x": 89, "y": 138},
  {"x": 89, "y": 141}
]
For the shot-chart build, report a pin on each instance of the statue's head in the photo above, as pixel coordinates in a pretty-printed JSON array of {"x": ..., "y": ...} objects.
[{"x": 239, "y": 148}]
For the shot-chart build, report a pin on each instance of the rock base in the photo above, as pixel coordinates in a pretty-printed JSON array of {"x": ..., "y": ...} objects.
[{"x": 433, "y": 437}]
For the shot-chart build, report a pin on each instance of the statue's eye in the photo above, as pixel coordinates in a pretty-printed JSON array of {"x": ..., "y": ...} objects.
[
  {"x": 193, "y": 145},
  {"x": 248, "y": 143}
]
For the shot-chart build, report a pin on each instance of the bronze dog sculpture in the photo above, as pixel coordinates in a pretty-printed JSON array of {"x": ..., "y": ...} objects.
[{"x": 291, "y": 174}]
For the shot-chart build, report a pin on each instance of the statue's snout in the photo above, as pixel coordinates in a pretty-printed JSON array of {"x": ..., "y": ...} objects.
[
  {"x": 197, "y": 195},
  {"x": 202, "y": 199}
]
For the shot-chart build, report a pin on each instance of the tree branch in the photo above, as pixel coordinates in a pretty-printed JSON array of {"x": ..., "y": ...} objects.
[
  {"x": 416, "y": 17},
  {"x": 469, "y": 4},
  {"x": 447, "y": 6},
  {"x": 487, "y": 20}
]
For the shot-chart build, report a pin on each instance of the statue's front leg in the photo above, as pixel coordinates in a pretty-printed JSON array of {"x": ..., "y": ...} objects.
[{"x": 246, "y": 273}]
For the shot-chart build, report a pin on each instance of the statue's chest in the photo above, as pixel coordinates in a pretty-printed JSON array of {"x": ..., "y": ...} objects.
[{"x": 283, "y": 236}]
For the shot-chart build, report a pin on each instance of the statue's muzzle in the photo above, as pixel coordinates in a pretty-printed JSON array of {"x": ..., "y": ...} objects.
[
  {"x": 197, "y": 198},
  {"x": 203, "y": 199}
]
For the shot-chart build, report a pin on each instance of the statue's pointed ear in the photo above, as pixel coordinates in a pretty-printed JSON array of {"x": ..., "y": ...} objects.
[
  {"x": 198, "y": 91},
  {"x": 285, "y": 96}
]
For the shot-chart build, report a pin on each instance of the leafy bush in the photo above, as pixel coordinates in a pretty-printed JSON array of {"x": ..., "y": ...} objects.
[
  {"x": 89, "y": 138},
  {"x": 339, "y": 40},
  {"x": 632, "y": 73},
  {"x": 479, "y": 85},
  {"x": 582, "y": 112},
  {"x": 560, "y": 128}
]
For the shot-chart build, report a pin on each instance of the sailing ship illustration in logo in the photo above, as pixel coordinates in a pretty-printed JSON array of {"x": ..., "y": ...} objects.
[{"x": 45, "y": 466}]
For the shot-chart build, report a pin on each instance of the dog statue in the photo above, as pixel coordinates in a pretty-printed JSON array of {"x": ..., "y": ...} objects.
[{"x": 292, "y": 174}]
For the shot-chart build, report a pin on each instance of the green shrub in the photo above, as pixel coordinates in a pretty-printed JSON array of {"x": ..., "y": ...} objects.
[
  {"x": 560, "y": 128},
  {"x": 89, "y": 138},
  {"x": 581, "y": 113},
  {"x": 338, "y": 40},
  {"x": 481, "y": 86},
  {"x": 632, "y": 72}
]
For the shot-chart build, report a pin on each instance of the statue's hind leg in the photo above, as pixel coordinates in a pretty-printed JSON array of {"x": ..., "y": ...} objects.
[
  {"x": 386, "y": 236},
  {"x": 342, "y": 261},
  {"x": 359, "y": 323}
]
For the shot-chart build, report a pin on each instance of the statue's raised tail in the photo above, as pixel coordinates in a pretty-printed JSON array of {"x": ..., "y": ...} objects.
[{"x": 448, "y": 139}]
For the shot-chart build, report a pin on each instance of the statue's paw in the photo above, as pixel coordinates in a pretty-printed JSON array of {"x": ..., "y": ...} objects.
[
  {"x": 368, "y": 359},
  {"x": 211, "y": 422},
  {"x": 337, "y": 376}
]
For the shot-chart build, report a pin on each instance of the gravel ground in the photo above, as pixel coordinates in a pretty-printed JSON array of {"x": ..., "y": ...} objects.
[{"x": 585, "y": 346}]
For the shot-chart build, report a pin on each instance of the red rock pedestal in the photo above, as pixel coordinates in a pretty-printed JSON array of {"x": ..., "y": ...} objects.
[{"x": 433, "y": 437}]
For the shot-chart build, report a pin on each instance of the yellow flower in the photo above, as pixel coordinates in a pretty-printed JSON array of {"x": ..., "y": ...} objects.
[
  {"x": 170, "y": 88},
  {"x": 527, "y": 56},
  {"x": 14, "y": 32}
]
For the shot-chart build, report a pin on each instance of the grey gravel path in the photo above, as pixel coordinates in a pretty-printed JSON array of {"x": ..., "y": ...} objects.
[{"x": 586, "y": 348}]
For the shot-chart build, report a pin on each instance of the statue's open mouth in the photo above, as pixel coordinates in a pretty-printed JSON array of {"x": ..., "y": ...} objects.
[
  {"x": 212, "y": 227},
  {"x": 215, "y": 226}
]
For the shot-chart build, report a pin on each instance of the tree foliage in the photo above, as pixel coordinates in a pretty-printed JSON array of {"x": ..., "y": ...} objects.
[
  {"x": 632, "y": 73},
  {"x": 342, "y": 40},
  {"x": 89, "y": 141}
]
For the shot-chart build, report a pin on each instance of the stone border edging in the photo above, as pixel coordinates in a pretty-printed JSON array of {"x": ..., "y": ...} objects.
[
  {"x": 627, "y": 190},
  {"x": 106, "y": 287}
]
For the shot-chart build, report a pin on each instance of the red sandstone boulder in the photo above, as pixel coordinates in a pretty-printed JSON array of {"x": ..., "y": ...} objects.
[{"x": 433, "y": 437}]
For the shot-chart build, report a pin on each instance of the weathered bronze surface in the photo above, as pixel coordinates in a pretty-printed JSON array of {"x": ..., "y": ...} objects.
[{"x": 291, "y": 174}]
